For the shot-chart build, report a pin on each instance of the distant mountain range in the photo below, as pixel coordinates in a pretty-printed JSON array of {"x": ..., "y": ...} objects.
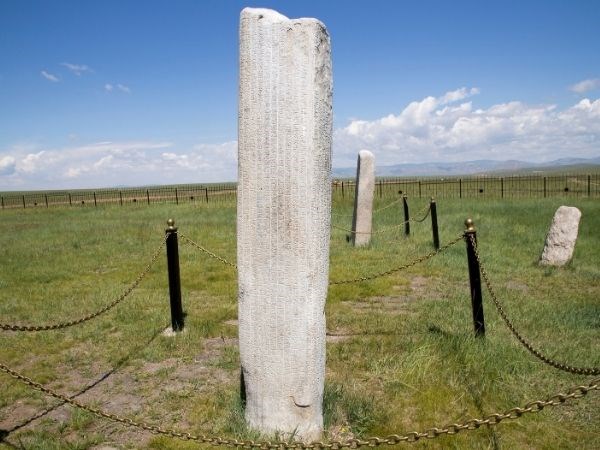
[{"x": 479, "y": 167}]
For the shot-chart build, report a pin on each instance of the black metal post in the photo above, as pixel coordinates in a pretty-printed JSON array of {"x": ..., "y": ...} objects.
[
  {"x": 475, "y": 279},
  {"x": 176, "y": 197},
  {"x": 3, "y": 202},
  {"x": 95, "y": 203},
  {"x": 174, "y": 281},
  {"x": 46, "y": 198},
  {"x": 460, "y": 188},
  {"x": 434, "y": 224},
  {"x": 70, "y": 200},
  {"x": 544, "y": 187},
  {"x": 23, "y": 202},
  {"x": 501, "y": 187},
  {"x": 419, "y": 188},
  {"x": 206, "y": 194},
  {"x": 589, "y": 179},
  {"x": 406, "y": 216},
  {"x": 148, "y": 195},
  {"x": 121, "y": 198},
  {"x": 342, "y": 189}
]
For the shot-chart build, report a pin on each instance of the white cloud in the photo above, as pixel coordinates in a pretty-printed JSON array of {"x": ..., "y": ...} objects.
[
  {"x": 585, "y": 86},
  {"x": 108, "y": 87},
  {"x": 48, "y": 76},
  {"x": 444, "y": 129},
  {"x": 124, "y": 88},
  {"x": 77, "y": 69},
  {"x": 7, "y": 165},
  {"x": 117, "y": 163}
]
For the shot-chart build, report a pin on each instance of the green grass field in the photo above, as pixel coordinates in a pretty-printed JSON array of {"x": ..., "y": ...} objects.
[{"x": 401, "y": 355}]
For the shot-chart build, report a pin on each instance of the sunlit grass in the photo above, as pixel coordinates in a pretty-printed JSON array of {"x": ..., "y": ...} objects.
[{"x": 406, "y": 358}]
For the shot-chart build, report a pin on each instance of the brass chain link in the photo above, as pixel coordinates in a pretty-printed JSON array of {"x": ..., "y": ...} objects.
[
  {"x": 374, "y": 211},
  {"x": 389, "y": 205},
  {"x": 208, "y": 252},
  {"x": 402, "y": 267},
  {"x": 425, "y": 210},
  {"x": 70, "y": 323},
  {"x": 520, "y": 338},
  {"x": 574, "y": 392}
]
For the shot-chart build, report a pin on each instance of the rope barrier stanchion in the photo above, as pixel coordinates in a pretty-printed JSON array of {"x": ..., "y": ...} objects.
[
  {"x": 434, "y": 223},
  {"x": 174, "y": 278},
  {"x": 534, "y": 351},
  {"x": 406, "y": 215},
  {"x": 474, "y": 278},
  {"x": 574, "y": 392}
]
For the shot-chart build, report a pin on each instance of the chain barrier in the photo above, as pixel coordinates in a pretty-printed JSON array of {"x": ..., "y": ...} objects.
[
  {"x": 574, "y": 392},
  {"x": 208, "y": 252},
  {"x": 534, "y": 351},
  {"x": 402, "y": 267},
  {"x": 425, "y": 210},
  {"x": 83, "y": 390},
  {"x": 389, "y": 205},
  {"x": 120, "y": 298}
]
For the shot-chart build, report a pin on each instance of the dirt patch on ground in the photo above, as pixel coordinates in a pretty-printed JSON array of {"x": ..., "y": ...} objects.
[
  {"x": 418, "y": 288},
  {"x": 517, "y": 286},
  {"x": 143, "y": 391}
]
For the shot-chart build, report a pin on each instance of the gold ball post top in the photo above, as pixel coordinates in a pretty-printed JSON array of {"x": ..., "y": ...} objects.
[
  {"x": 171, "y": 225},
  {"x": 470, "y": 225}
]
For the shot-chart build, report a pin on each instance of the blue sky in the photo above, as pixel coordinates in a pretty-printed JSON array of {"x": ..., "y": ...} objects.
[{"x": 109, "y": 93}]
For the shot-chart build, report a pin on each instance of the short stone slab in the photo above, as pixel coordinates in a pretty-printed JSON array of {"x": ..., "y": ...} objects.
[{"x": 561, "y": 238}]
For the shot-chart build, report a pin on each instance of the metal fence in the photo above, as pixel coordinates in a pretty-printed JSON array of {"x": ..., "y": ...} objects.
[
  {"x": 195, "y": 193},
  {"x": 530, "y": 186}
]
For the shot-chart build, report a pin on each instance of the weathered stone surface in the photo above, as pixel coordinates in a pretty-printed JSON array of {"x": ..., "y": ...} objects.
[
  {"x": 362, "y": 219},
  {"x": 561, "y": 238},
  {"x": 283, "y": 219}
]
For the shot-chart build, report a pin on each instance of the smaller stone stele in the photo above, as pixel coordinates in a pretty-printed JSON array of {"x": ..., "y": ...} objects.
[
  {"x": 362, "y": 219},
  {"x": 561, "y": 238}
]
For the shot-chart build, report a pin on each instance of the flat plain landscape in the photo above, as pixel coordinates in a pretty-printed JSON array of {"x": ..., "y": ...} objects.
[{"x": 401, "y": 355}]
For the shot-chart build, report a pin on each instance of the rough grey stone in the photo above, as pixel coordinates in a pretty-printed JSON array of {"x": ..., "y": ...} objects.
[
  {"x": 561, "y": 238},
  {"x": 283, "y": 219},
  {"x": 362, "y": 218}
]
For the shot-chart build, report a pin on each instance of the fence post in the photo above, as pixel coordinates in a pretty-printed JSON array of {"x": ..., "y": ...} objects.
[
  {"x": 406, "y": 216},
  {"x": 502, "y": 187},
  {"x": 460, "y": 188},
  {"x": 342, "y": 190},
  {"x": 121, "y": 198},
  {"x": 434, "y": 224},
  {"x": 544, "y": 187},
  {"x": 148, "y": 195},
  {"x": 2, "y": 202},
  {"x": 475, "y": 279},
  {"x": 206, "y": 194},
  {"x": 419, "y": 188},
  {"x": 589, "y": 177},
  {"x": 176, "y": 197},
  {"x": 23, "y": 202},
  {"x": 95, "y": 203},
  {"x": 174, "y": 281},
  {"x": 46, "y": 198}
]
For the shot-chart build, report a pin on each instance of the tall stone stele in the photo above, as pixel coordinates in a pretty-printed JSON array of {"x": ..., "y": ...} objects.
[
  {"x": 362, "y": 218},
  {"x": 562, "y": 236},
  {"x": 283, "y": 219}
]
